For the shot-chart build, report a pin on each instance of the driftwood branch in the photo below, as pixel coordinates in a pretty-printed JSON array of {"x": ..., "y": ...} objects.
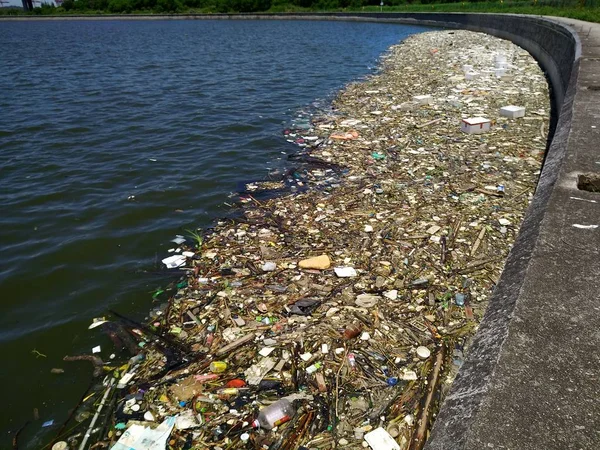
[{"x": 97, "y": 362}]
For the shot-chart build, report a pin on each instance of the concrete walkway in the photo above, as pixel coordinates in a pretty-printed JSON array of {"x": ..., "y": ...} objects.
[{"x": 544, "y": 392}]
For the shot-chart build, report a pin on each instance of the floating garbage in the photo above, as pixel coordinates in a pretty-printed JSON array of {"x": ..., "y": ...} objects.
[
  {"x": 337, "y": 313},
  {"x": 512, "y": 112},
  {"x": 475, "y": 125},
  {"x": 140, "y": 437},
  {"x": 423, "y": 99}
]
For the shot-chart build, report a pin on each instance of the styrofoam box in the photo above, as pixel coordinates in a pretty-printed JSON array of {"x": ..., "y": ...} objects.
[
  {"x": 423, "y": 99},
  {"x": 512, "y": 111},
  {"x": 475, "y": 125}
]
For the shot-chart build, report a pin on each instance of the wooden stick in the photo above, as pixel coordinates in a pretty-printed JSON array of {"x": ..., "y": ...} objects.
[
  {"x": 420, "y": 435},
  {"x": 478, "y": 241},
  {"x": 235, "y": 344},
  {"x": 426, "y": 124}
]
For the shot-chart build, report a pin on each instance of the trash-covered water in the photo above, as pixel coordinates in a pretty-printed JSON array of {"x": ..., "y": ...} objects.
[{"x": 114, "y": 137}]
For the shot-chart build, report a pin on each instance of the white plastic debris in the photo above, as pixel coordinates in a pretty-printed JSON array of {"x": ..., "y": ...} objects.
[
  {"x": 433, "y": 229},
  {"x": 266, "y": 351},
  {"x": 585, "y": 227},
  {"x": 125, "y": 379},
  {"x": 255, "y": 373},
  {"x": 97, "y": 322},
  {"x": 178, "y": 239},
  {"x": 345, "y": 272},
  {"x": 475, "y": 125},
  {"x": 392, "y": 295},
  {"x": 409, "y": 375},
  {"x": 366, "y": 300},
  {"x": 380, "y": 439},
  {"x": 172, "y": 262},
  {"x": 512, "y": 111},
  {"x": 139, "y": 437},
  {"x": 269, "y": 266},
  {"x": 349, "y": 122},
  {"x": 185, "y": 420},
  {"x": 423, "y": 99},
  {"x": 500, "y": 59},
  {"x": 96, "y": 349},
  {"x": 305, "y": 356}
]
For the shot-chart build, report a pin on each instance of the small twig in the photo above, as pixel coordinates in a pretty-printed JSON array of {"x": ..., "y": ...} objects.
[
  {"x": 38, "y": 354},
  {"x": 235, "y": 344},
  {"x": 15, "y": 439},
  {"x": 426, "y": 124},
  {"x": 418, "y": 441},
  {"x": 478, "y": 241},
  {"x": 97, "y": 362}
]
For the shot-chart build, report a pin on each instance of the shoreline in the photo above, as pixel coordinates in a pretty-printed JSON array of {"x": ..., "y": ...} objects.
[{"x": 414, "y": 219}]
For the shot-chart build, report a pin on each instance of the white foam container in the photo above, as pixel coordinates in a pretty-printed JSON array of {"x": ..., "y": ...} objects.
[
  {"x": 475, "y": 125},
  {"x": 512, "y": 111}
]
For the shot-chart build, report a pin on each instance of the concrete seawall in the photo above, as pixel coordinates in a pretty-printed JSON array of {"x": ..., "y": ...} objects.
[{"x": 531, "y": 378}]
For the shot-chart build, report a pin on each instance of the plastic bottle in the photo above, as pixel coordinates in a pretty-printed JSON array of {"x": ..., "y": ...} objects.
[
  {"x": 210, "y": 335},
  {"x": 275, "y": 414},
  {"x": 352, "y": 361},
  {"x": 230, "y": 392},
  {"x": 352, "y": 331}
]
